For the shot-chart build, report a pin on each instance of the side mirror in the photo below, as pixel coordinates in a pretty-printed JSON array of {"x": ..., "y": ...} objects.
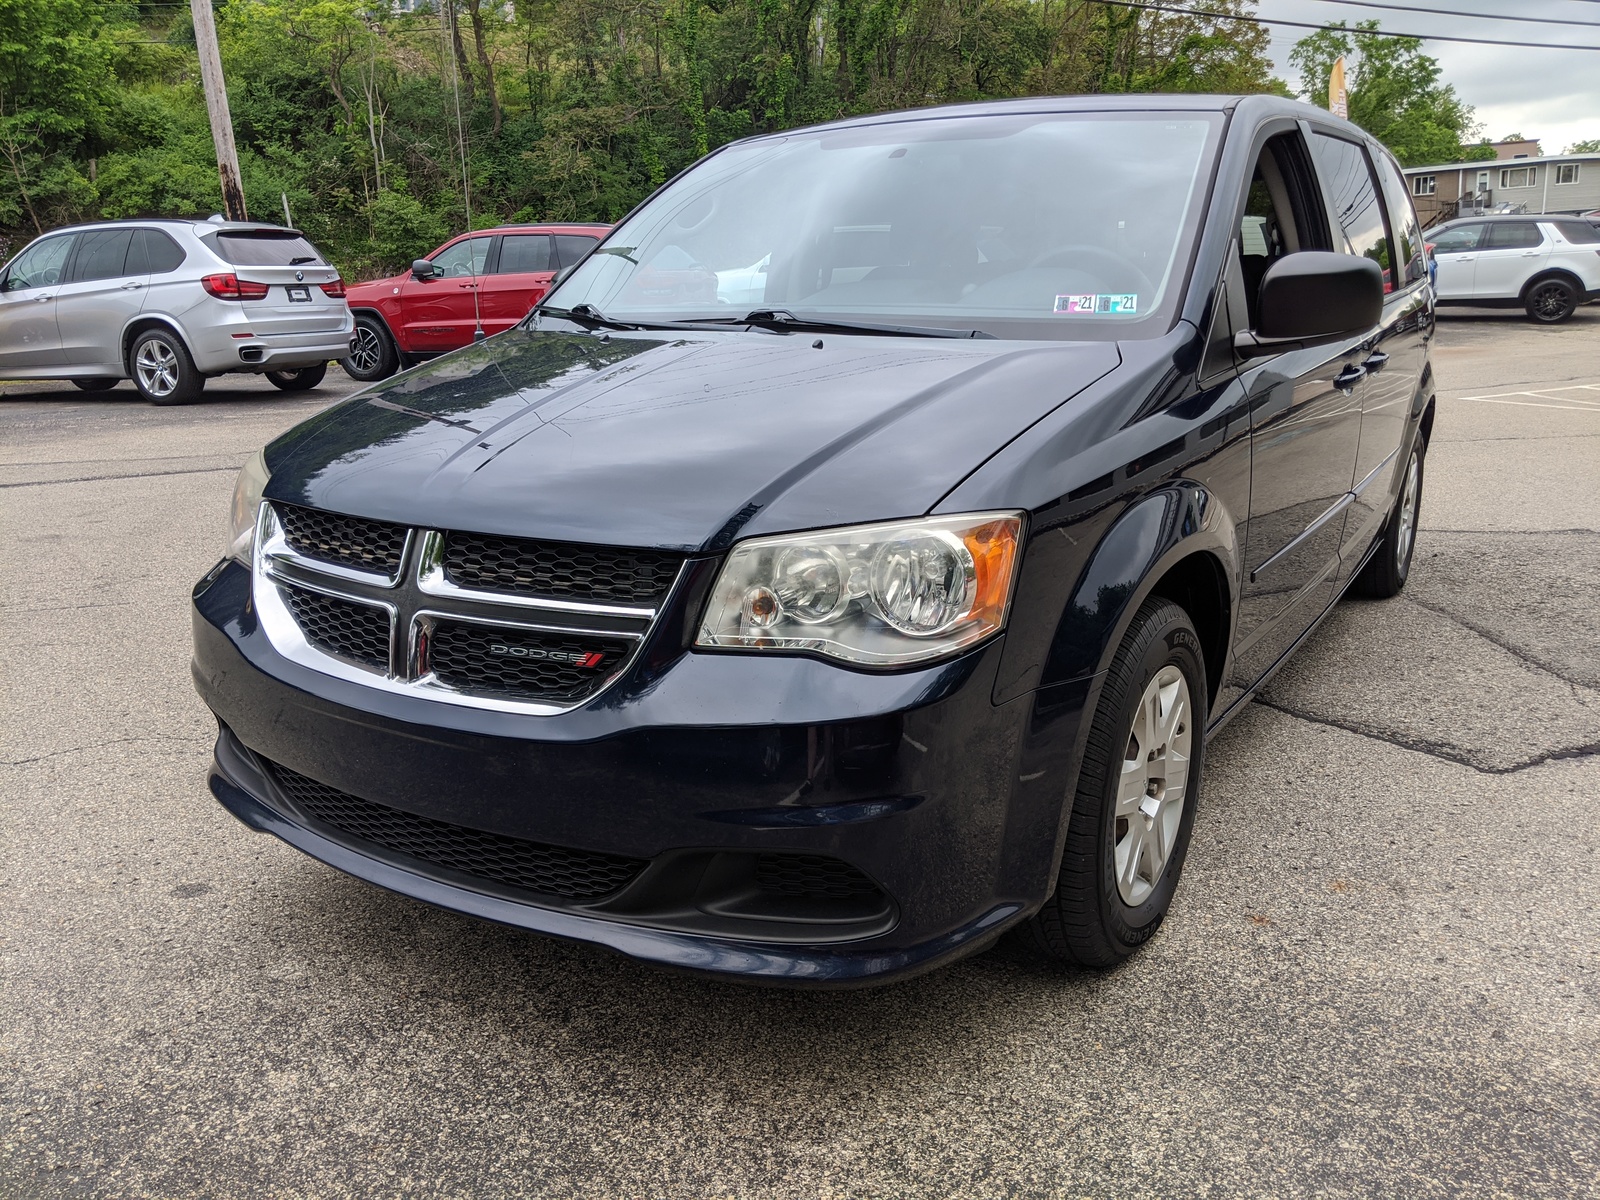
[
  {"x": 423, "y": 269},
  {"x": 1311, "y": 299}
]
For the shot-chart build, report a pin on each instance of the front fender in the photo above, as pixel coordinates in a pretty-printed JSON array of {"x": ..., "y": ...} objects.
[{"x": 1152, "y": 535}]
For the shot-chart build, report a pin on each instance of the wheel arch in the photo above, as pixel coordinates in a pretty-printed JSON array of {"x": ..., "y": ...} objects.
[
  {"x": 142, "y": 323},
  {"x": 1177, "y": 542},
  {"x": 1566, "y": 276},
  {"x": 365, "y": 310}
]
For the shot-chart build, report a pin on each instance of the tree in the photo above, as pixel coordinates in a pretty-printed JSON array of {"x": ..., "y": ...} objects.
[
  {"x": 55, "y": 81},
  {"x": 1592, "y": 146},
  {"x": 1393, "y": 91}
]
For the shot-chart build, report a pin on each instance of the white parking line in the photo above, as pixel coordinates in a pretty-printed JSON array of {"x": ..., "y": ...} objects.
[{"x": 1546, "y": 397}]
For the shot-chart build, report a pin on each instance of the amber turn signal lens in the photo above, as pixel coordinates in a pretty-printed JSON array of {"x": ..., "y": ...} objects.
[{"x": 994, "y": 553}]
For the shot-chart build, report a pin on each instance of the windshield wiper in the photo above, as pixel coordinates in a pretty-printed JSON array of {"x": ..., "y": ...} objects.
[
  {"x": 783, "y": 319},
  {"x": 590, "y": 317},
  {"x": 295, "y": 262}
]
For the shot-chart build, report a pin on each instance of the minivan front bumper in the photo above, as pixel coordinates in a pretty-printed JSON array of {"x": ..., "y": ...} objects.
[{"x": 706, "y": 774}]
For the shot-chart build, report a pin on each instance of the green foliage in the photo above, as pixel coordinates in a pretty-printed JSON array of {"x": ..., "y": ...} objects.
[
  {"x": 569, "y": 109},
  {"x": 1393, "y": 91},
  {"x": 1592, "y": 146}
]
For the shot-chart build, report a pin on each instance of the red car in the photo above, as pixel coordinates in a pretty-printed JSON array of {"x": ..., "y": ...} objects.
[{"x": 487, "y": 280}]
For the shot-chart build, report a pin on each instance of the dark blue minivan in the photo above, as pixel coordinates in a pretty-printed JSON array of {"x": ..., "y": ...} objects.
[{"x": 849, "y": 559}]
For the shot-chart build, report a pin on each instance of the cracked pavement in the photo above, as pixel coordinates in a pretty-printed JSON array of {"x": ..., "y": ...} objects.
[{"x": 1381, "y": 975}]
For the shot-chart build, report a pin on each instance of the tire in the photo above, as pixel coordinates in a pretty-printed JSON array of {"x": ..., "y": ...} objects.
[
  {"x": 1113, "y": 893},
  {"x": 1386, "y": 571},
  {"x": 375, "y": 356},
  {"x": 302, "y": 380},
  {"x": 1551, "y": 301},
  {"x": 162, "y": 370},
  {"x": 95, "y": 385}
]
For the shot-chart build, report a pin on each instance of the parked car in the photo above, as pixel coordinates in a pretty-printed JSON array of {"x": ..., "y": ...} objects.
[
  {"x": 476, "y": 285},
  {"x": 821, "y": 641},
  {"x": 169, "y": 304},
  {"x": 1548, "y": 265}
]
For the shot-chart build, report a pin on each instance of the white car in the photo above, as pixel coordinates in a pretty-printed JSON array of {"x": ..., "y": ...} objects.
[{"x": 1547, "y": 265}]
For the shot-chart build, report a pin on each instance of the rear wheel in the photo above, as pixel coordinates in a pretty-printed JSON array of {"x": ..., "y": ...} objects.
[
  {"x": 1551, "y": 301},
  {"x": 374, "y": 356},
  {"x": 1137, "y": 789},
  {"x": 162, "y": 371},
  {"x": 302, "y": 380},
  {"x": 1386, "y": 571},
  {"x": 95, "y": 385}
]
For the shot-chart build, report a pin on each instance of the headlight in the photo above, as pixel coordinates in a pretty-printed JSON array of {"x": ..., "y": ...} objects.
[
  {"x": 246, "y": 502},
  {"x": 881, "y": 595}
]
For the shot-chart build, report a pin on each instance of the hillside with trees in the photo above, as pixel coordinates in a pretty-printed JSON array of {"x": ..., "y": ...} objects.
[{"x": 568, "y": 110}]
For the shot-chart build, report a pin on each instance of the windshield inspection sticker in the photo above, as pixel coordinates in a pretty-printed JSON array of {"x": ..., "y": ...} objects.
[{"x": 1091, "y": 305}]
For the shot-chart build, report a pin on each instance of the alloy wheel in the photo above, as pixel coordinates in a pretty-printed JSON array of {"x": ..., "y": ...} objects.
[
  {"x": 369, "y": 350},
  {"x": 157, "y": 367},
  {"x": 1153, "y": 786},
  {"x": 1550, "y": 302}
]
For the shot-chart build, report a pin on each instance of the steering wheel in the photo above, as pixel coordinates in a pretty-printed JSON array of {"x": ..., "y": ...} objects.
[{"x": 1110, "y": 260}]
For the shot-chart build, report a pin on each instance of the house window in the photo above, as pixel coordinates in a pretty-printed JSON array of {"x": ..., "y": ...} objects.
[
  {"x": 1519, "y": 177},
  {"x": 1423, "y": 185},
  {"x": 1566, "y": 172}
]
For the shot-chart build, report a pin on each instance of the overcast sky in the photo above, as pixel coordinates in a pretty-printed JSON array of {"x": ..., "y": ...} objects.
[{"x": 1552, "y": 95}]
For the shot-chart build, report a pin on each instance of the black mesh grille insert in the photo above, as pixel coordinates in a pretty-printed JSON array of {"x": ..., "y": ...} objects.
[
  {"x": 343, "y": 627},
  {"x": 523, "y": 663},
  {"x": 812, "y": 876},
  {"x": 552, "y": 870},
  {"x": 558, "y": 569},
  {"x": 348, "y": 541}
]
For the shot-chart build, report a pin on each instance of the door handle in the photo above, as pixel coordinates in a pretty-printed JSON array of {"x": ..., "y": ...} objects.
[
  {"x": 468, "y": 286},
  {"x": 1376, "y": 361},
  {"x": 129, "y": 287},
  {"x": 1347, "y": 379},
  {"x": 42, "y": 299}
]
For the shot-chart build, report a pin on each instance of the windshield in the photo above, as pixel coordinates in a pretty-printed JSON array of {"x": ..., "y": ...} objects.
[{"x": 1020, "y": 226}]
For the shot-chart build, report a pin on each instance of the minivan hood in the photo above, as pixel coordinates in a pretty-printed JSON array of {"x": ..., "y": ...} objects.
[{"x": 676, "y": 440}]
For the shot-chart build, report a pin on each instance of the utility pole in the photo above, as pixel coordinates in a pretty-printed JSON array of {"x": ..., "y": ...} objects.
[{"x": 205, "y": 37}]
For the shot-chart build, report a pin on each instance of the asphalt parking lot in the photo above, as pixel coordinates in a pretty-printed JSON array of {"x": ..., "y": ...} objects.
[{"x": 1381, "y": 975}]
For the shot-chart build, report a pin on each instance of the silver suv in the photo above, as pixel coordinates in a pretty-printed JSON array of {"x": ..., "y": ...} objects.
[{"x": 169, "y": 303}]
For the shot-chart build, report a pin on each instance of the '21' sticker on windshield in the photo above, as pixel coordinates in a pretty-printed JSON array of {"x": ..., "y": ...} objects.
[{"x": 1090, "y": 304}]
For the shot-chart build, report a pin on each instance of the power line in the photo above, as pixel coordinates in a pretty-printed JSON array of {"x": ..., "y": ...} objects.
[
  {"x": 1454, "y": 12},
  {"x": 1420, "y": 37}
]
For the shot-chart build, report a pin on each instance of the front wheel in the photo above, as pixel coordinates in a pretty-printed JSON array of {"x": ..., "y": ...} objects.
[
  {"x": 1137, "y": 789},
  {"x": 374, "y": 356},
  {"x": 302, "y": 380},
  {"x": 1551, "y": 301}
]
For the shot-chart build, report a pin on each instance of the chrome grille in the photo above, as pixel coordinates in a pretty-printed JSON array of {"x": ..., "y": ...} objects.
[
  {"x": 376, "y": 604},
  {"x": 533, "y": 866},
  {"x": 353, "y": 542},
  {"x": 359, "y": 632},
  {"x": 520, "y": 662},
  {"x": 559, "y": 569}
]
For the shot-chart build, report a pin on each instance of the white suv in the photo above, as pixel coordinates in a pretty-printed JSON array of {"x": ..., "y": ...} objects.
[
  {"x": 1547, "y": 265},
  {"x": 168, "y": 303}
]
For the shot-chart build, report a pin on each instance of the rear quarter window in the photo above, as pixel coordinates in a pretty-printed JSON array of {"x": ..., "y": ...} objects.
[
  {"x": 153, "y": 253},
  {"x": 267, "y": 250},
  {"x": 570, "y": 247},
  {"x": 1579, "y": 233}
]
